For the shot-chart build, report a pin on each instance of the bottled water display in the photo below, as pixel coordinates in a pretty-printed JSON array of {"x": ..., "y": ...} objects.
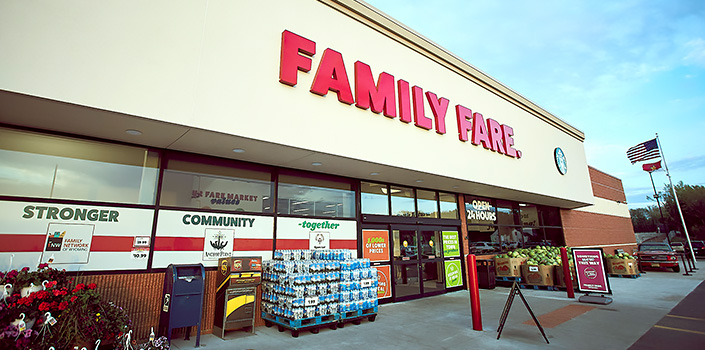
[{"x": 300, "y": 284}]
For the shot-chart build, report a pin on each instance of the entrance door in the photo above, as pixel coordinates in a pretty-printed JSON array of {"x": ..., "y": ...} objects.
[{"x": 418, "y": 268}]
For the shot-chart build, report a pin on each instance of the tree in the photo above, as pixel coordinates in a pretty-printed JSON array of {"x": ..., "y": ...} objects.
[
  {"x": 692, "y": 201},
  {"x": 642, "y": 219}
]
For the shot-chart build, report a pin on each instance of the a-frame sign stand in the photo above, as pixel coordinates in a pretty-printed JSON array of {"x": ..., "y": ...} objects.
[{"x": 508, "y": 305}]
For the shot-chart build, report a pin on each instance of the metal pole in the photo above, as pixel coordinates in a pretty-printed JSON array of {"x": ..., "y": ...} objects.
[
  {"x": 474, "y": 293},
  {"x": 567, "y": 276},
  {"x": 659, "y": 205},
  {"x": 675, "y": 197}
]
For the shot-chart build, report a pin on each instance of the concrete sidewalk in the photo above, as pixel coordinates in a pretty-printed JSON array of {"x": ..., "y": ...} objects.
[{"x": 444, "y": 322}]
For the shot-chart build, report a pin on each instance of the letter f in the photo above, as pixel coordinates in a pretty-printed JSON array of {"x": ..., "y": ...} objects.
[{"x": 291, "y": 61}]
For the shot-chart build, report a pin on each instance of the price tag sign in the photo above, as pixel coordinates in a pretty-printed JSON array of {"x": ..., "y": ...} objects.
[{"x": 311, "y": 301}]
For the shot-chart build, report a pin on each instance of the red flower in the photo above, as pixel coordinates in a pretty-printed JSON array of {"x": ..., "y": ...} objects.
[
  {"x": 25, "y": 269},
  {"x": 63, "y": 305},
  {"x": 92, "y": 286},
  {"x": 44, "y": 307},
  {"x": 51, "y": 284},
  {"x": 73, "y": 298},
  {"x": 41, "y": 266}
]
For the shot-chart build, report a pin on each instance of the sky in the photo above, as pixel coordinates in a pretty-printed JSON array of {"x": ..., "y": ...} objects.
[{"x": 620, "y": 71}]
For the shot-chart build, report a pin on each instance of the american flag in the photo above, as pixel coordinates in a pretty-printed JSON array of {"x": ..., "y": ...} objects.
[{"x": 644, "y": 151}]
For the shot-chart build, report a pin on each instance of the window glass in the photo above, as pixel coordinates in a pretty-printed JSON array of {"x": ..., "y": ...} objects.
[
  {"x": 480, "y": 211},
  {"x": 550, "y": 216},
  {"x": 47, "y": 166},
  {"x": 506, "y": 213},
  {"x": 532, "y": 236},
  {"x": 554, "y": 236},
  {"x": 210, "y": 183},
  {"x": 374, "y": 198},
  {"x": 402, "y": 201},
  {"x": 483, "y": 239},
  {"x": 427, "y": 203},
  {"x": 529, "y": 215},
  {"x": 449, "y": 205},
  {"x": 315, "y": 195}
]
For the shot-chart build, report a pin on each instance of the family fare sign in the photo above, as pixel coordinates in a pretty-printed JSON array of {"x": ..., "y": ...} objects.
[{"x": 386, "y": 97}]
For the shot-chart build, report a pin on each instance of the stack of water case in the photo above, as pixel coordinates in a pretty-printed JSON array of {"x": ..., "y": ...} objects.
[
  {"x": 238, "y": 278},
  {"x": 310, "y": 289}
]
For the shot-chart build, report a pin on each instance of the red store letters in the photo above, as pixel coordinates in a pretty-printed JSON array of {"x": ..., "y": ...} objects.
[{"x": 297, "y": 53}]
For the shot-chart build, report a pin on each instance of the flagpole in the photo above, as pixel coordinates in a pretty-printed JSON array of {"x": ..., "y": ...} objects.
[
  {"x": 675, "y": 197},
  {"x": 659, "y": 205}
]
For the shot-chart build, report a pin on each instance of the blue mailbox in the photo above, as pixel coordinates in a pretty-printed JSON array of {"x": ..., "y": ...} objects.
[{"x": 182, "y": 304}]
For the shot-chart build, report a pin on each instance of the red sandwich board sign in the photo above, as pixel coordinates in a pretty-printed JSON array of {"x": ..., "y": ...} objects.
[{"x": 591, "y": 270}]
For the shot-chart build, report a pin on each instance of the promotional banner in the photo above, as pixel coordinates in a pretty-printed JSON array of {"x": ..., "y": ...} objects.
[
  {"x": 296, "y": 233},
  {"x": 454, "y": 276},
  {"x": 74, "y": 237},
  {"x": 384, "y": 284},
  {"x": 375, "y": 245},
  {"x": 451, "y": 247},
  {"x": 590, "y": 270},
  {"x": 188, "y": 237}
]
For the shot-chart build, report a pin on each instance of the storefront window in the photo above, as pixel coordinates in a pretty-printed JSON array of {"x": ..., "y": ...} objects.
[
  {"x": 47, "y": 166},
  {"x": 427, "y": 203},
  {"x": 554, "y": 236},
  {"x": 402, "y": 201},
  {"x": 449, "y": 205},
  {"x": 374, "y": 198},
  {"x": 209, "y": 183},
  {"x": 315, "y": 195},
  {"x": 506, "y": 213},
  {"x": 483, "y": 239},
  {"x": 550, "y": 216},
  {"x": 529, "y": 215}
]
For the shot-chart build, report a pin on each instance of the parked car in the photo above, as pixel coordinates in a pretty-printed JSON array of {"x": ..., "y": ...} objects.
[
  {"x": 657, "y": 255},
  {"x": 698, "y": 247},
  {"x": 678, "y": 247},
  {"x": 483, "y": 247}
]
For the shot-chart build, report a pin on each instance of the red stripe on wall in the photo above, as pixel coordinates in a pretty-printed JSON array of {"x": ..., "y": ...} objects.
[
  {"x": 196, "y": 244},
  {"x": 112, "y": 244},
  {"x": 283, "y": 244},
  {"x": 178, "y": 243},
  {"x": 22, "y": 243},
  {"x": 343, "y": 244},
  {"x": 255, "y": 244}
]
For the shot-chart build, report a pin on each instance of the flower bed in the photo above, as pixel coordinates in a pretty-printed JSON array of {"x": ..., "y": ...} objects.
[{"x": 44, "y": 308}]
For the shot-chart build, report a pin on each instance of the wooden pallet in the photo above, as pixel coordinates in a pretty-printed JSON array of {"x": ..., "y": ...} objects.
[
  {"x": 356, "y": 316},
  {"x": 531, "y": 286},
  {"x": 507, "y": 278},
  {"x": 625, "y": 276},
  {"x": 314, "y": 324}
]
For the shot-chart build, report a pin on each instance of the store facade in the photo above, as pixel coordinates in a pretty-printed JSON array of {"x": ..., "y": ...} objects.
[{"x": 247, "y": 128}]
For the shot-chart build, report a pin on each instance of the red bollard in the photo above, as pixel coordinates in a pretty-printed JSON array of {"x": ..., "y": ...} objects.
[
  {"x": 567, "y": 277},
  {"x": 474, "y": 293}
]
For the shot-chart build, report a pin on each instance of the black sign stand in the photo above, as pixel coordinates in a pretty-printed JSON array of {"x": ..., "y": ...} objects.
[{"x": 508, "y": 305}]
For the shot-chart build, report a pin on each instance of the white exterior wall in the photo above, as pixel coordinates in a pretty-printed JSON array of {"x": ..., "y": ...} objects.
[{"x": 214, "y": 66}]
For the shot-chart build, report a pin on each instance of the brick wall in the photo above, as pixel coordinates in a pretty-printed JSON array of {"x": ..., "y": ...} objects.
[
  {"x": 140, "y": 294},
  {"x": 590, "y": 229},
  {"x": 606, "y": 186}
]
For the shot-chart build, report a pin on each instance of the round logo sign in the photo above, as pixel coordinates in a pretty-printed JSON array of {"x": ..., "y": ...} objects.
[{"x": 561, "y": 162}]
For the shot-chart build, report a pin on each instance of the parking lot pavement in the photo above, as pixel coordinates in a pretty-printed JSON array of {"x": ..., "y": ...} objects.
[{"x": 640, "y": 306}]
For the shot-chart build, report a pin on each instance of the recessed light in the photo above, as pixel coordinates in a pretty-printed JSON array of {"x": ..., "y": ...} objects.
[
  {"x": 419, "y": 181},
  {"x": 133, "y": 132},
  {"x": 374, "y": 174},
  {"x": 316, "y": 163},
  {"x": 456, "y": 186},
  {"x": 238, "y": 150}
]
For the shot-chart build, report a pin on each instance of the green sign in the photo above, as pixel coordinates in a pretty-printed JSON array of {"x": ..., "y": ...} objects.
[
  {"x": 454, "y": 277},
  {"x": 451, "y": 247}
]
